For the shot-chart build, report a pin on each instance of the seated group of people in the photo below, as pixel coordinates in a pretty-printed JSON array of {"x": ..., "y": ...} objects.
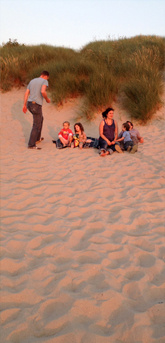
[{"x": 109, "y": 140}]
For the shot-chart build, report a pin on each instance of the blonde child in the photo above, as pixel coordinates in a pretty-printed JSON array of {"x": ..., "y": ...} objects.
[{"x": 65, "y": 136}]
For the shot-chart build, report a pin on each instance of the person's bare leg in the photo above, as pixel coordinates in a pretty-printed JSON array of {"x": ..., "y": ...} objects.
[{"x": 63, "y": 141}]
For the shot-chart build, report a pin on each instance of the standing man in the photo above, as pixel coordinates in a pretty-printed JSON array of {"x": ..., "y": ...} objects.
[{"x": 33, "y": 99}]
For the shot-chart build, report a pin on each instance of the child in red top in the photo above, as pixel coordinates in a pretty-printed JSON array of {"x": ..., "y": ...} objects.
[{"x": 65, "y": 136}]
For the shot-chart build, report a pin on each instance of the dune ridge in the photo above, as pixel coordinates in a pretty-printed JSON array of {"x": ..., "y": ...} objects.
[{"x": 82, "y": 256}]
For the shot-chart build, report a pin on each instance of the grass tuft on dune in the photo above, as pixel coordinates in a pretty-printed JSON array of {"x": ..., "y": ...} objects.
[{"x": 102, "y": 71}]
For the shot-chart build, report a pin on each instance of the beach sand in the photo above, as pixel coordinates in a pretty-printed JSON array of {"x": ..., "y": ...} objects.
[{"x": 82, "y": 256}]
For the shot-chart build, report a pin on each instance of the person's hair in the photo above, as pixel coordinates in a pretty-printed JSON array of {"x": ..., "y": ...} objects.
[
  {"x": 104, "y": 114},
  {"x": 129, "y": 122},
  {"x": 126, "y": 126},
  {"x": 66, "y": 122},
  {"x": 80, "y": 126},
  {"x": 45, "y": 73}
]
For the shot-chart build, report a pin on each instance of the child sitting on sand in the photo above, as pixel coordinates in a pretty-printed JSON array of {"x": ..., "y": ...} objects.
[
  {"x": 80, "y": 138},
  {"x": 126, "y": 139},
  {"x": 135, "y": 135},
  {"x": 65, "y": 136}
]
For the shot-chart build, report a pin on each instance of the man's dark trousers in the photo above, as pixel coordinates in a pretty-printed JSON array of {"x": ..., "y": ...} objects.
[{"x": 36, "y": 111}]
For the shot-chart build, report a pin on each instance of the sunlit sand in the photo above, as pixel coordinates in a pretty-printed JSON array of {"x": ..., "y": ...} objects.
[{"x": 82, "y": 257}]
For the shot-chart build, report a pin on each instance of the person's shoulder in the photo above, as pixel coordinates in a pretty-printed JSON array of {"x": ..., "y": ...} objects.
[
  {"x": 39, "y": 81},
  {"x": 135, "y": 132},
  {"x": 35, "y": 79},
  {"x": 44, "y": 82}
]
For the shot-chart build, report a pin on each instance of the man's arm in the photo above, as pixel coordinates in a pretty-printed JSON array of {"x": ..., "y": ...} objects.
[
  {"x": 140, "y": 139},
  {"x": 24, "y": 109},
  {"x": 44, "y": 93}
]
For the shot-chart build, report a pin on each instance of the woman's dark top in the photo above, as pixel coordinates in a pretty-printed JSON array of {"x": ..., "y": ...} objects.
[{"x": 109, "y": 131}]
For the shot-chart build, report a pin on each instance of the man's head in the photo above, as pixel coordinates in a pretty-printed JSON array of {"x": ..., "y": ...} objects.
[
  {"x": 45, "y": 75},
  {"x": 130, "y": 124}
]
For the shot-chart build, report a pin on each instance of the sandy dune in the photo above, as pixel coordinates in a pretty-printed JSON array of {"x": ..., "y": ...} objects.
[{"x": 82, "y": 257}]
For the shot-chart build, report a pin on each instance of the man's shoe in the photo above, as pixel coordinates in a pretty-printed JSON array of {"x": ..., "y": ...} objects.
[
  {"x": 40, "y": 140},
  {"x": 34, "y": 147}
]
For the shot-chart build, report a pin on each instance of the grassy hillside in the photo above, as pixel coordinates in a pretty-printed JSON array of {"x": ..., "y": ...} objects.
[{"x": 101, "y": 71}]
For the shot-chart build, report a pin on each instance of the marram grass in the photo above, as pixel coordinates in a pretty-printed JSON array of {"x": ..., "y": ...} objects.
[{"x": 100, "y": 71}]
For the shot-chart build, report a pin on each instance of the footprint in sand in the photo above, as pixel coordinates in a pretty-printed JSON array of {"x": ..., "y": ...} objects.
[
  {"x": 146, "y": 260},
  {"x": 134, "y": 275}
]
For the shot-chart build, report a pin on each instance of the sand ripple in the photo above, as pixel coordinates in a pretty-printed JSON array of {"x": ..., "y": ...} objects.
[{"x": 82, "y": 258}]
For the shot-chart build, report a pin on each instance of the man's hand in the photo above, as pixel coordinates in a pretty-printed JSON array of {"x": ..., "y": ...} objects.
[
  {"x": 24, "y": 109},
  {"x": 48, "y": 100}
]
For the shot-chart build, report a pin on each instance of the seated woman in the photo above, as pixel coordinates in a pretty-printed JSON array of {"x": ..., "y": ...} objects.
[{"x": 108, "y": 134}]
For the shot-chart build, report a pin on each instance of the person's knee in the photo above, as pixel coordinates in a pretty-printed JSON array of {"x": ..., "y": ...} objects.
[
  {"x": 103, "y": 144},
  {"x": 37, "y": 125}
]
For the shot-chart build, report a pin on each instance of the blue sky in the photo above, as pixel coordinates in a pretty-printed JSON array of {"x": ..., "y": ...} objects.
[{"x": 75, "y": 23}]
